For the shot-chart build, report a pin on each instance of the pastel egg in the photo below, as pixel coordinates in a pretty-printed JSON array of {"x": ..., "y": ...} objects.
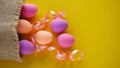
[
  {"x": 26, "y": 47},
  {"x": 59, "y": 25},
  {"x": 24, "y": 26},
  {"x": 29, "y": 10},
  {"x": 65, "y": 40},
  {"x": 44, "y": 37}
]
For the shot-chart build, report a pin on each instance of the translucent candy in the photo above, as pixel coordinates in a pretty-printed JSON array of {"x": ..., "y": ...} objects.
[
  {"x": 42, "y": 23},
  {"x": 59, "y": 15},
  {"x": 54, "y": 14},
  {"x": 76, "y": 55},
  {"x": 33, "y": 39},
  {"x": 37, "y": 26},
  {"x": 60, "y": 55},
  {"x": 40, "y": 48},
  {"x": 51, "y": 48}
]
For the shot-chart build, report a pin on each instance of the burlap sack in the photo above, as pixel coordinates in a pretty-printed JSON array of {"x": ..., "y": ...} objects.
[{"x": 9, "y": 15}]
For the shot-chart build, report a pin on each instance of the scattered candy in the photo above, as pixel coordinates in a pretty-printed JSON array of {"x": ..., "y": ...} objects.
[
  {"x": 59, "y": 25},
  {"x": 60, "y": 55},
  {"x": 59, "y": 15},
  {"x": 51, "y": 48},
  {"x": 76, "y": 55},
  {"x": 24, "y": 26},
  {"x": 42, "y": 24},
  {"x": 65, "y": 40},
  {"x": 40, "y": 48},
  {"x": 44, "y": 37},
  {"x": 37, "y": 26},
  {"x": 26, "y": 47},
  {"x": 29, "y": 10},
  {"x": 41, "y": 39}
]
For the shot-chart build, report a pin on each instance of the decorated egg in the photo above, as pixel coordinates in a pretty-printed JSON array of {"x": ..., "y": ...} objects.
[
  {"x": 26, "y": 47},
  {"x": 59, "y": 25},
  {"x": 65, "y": 40},
  {"x": 43, "y": 37},
  {"x": 24, "y": 26},
  {"x": 29, "y": 10}
]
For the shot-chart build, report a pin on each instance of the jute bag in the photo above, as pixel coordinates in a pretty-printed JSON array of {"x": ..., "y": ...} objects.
[{"x": 9, "y": 15}]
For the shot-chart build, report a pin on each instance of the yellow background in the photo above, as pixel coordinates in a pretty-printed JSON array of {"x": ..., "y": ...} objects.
[{"x": 96, "y": 27}]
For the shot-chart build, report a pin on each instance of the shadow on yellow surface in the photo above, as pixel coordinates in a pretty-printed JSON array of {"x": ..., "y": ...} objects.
[{"x": 96, "y": 27}]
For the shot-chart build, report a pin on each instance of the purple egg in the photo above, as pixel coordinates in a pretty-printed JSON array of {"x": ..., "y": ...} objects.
[
  {"x": 65, "y": 40},
  {"x": 26, "y": 47},
  {"x": 29, "y": 10},
  {"x": 59, "y": 25}
]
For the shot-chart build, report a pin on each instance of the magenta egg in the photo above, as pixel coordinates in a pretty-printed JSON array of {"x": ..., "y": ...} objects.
[
  {"x": 65, "y": 40},
  {"x": 29, "y": 10},
  {"x": 59, "y": 25},
  {"x": 26, "y": 47}
]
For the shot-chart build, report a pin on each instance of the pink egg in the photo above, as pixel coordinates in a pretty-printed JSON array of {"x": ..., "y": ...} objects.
[
  {"x": 44, "y": 37},
  {"x": 29, "y": 10},
  {"x": 65, "y": 40},
  {"x": 24, "y": 26}
]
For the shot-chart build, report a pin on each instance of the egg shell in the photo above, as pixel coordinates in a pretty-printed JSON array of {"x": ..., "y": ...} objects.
[
  {"x": 44, "y": 37},
  {"x": 24, "y": 26},
  {"x": 29, "y": 10},
  {"x": 59, "y": 25},
  {"x": 65, "y": 40},
  {"x": 26, "y": 47}
]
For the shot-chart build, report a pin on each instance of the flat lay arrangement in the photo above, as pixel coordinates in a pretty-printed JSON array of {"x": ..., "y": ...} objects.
[
  {"x": 59, "y": 33},
  {"x": 34, "y": 36}
]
